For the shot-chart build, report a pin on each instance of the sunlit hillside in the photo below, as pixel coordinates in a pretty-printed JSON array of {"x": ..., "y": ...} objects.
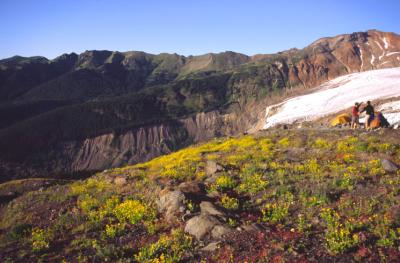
[{"x": 306, "y": 195}]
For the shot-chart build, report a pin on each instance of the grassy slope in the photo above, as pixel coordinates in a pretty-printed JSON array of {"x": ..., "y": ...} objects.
[{"x": 317, "y": 195}]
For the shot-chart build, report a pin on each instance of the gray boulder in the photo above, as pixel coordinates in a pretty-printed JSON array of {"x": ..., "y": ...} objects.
[
  {"x": 120, "y": 180},
  {"x": 213, "y": 194},
  {"x": 389, "y": 166},
  {"x": 210, "y": 247},
  {"x": 212, "y": 167},
  {"x": 211, "y": 179},
  {"x": 207, "y": 208},
  {"x": 193, "y": 188},
  {"x": 171, "y": 203},
  {"x": 219, "y": 231},
  {"x": 200, "y": 226}
]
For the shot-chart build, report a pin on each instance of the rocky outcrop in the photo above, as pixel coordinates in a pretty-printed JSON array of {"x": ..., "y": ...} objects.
[
  {"x": 208, "y": 208},
  {"x": 389, "y": 166},
  {"x": 137, "y": 145},
  {"x": 142, "y": 144},
  {"x": 209, "y": 224},
  {"x": 212, "y": 167},
  {"x": 200, "y": 226},
  {"x": 328, "y": 58},
  {"x": 171, "y": 203}
]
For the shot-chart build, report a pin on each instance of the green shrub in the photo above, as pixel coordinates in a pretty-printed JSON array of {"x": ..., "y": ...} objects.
[
  {"x": 322, "y": 144},
  {"x": 40, "y": 239},
  {"x": 167, "y": 249},
  {"x": 338, "y": 236},
  {"x": 232, "y": 222},
  {"x": 375, "y": 168},
  {"x": 252, "y": 184},
  {"x": 347, "y": 145},
  {"x": 131, "y": 211},
  {"x": 87, "y": 203},
  {"x": 19, "y": 231},
  {"x": 224, "y": 182},
  {"x": 284, "y": 142},
  {"x": 113, "y": 230},
  {"x": 349, "y": 158},
  {"x": 276, "y": 212},
  {"x": 313, "y": 168},
  {"x": 384, "y": 228},
  {"x": 110, "y": 204},
  {"x": 89, "y": 186},
  {"x": 230, "y": 203}
]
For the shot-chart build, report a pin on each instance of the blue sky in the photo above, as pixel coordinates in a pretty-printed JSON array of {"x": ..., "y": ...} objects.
[{"x": 52, "y": 27}]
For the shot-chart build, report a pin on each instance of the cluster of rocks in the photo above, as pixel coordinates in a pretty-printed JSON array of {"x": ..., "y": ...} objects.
[{"x": 208, "y": 224}]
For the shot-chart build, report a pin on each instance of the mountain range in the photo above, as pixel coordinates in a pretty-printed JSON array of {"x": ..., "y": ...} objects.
[{"x": 76, "y": 114}]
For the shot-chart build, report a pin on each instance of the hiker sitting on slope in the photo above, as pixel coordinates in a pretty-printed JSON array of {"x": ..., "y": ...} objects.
[
  {"x": 355, "y": 115},
  {"x": 369, "y": 112}
]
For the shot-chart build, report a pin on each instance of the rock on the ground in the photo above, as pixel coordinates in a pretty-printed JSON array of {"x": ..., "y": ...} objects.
[
  {"x": 191, "y": 188},
  {"x": 213, "y": 194},
  {"x": 211, "y": 179},
  {"x": 389, "y": 166},
  {"x": 200, "y": 226},
  {"x": 219, "y": 231},
  {"x": 120, "y": 180},
  {"x": 207, "y": 208},
  {"x": 210, "y": 247},
  {"x": 107, "y": 178},
  {"x": 171, "y": 203},
  {"x": 212, "y": 167}
]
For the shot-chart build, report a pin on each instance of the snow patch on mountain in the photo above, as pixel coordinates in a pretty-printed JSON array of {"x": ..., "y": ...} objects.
[
  {"x": 361, "y": 57},
  {"x": 391, "y": 111},
  {"x": 372, "y": 60},
  {"x": 336, "y": 95},
  {"x": 386, "y": 43},
  {"x": 383, "y": 51},
  {"x": 392, "y": 53}
]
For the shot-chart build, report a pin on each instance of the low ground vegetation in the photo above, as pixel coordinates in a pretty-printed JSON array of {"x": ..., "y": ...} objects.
[{"x": 313, "y": 195}]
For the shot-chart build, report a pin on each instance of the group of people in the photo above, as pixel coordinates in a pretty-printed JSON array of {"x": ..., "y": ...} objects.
[{"x": 355, "y": 115}]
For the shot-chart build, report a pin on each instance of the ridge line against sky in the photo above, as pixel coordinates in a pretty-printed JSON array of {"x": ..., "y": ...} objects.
[{"x": 51, "y": 27}]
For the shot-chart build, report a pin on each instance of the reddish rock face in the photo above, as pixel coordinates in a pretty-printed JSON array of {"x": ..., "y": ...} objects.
[{"x": 328, "y": 58}]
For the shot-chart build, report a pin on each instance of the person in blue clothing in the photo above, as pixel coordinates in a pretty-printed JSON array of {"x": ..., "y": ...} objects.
[{"x": 370, "y": 114}]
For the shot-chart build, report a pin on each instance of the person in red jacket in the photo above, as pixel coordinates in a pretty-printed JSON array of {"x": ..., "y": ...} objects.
[{"x": 355, "y": 115}]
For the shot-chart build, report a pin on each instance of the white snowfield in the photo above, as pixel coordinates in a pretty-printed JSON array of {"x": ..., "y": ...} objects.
[
  {"x": 391, "y": 111},
  {"x": 340, "y": 94}
]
